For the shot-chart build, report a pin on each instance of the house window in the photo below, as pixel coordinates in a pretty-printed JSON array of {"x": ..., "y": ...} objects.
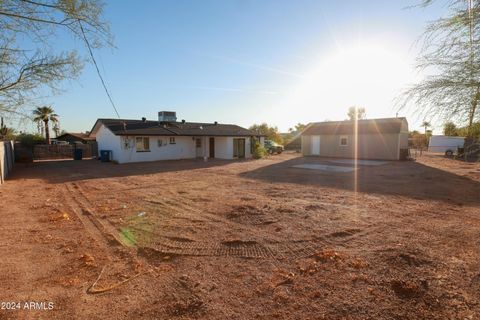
[
  {"x": 126, "y": 143},
  {"x": 343, "y": 141},
  {"x": 172, "y": 140},
  {"x": 160, "y": 142},
  {"x": 198, "y": 143},
  {"x": 142, "y": 144}
]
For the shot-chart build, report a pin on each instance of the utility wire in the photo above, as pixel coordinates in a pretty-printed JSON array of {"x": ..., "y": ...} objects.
[{"x": 98, "y": 70}]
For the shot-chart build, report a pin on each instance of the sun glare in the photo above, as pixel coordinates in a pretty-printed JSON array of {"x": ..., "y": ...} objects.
[{"x": 368, "y": 75}]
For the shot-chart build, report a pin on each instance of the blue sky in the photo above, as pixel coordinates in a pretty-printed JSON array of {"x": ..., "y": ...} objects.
[{"x": 245, "y": 61}]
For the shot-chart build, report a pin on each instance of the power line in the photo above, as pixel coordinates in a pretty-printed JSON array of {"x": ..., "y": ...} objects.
[{"x": 98, "y": 70}]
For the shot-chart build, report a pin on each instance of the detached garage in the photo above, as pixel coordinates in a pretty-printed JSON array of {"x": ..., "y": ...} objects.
[{"x": 379, "y": 139}]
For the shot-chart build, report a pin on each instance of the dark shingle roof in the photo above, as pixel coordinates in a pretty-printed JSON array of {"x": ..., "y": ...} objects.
[
  {"x": 79, "y": 135},
  {"x": 154, "y": 128},
  {"x": 387, "y": 125}
]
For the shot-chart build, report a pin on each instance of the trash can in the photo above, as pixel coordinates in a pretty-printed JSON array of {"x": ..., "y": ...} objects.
[
  {"x": 77, "y": 154},
  {"x": 105, "y": 155}
]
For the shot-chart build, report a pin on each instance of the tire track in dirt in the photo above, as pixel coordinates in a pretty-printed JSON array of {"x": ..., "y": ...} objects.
[
  {"x": 242, "y": 249},
  {"x": 101, "y": 231},
  {"x": 236, "y": 248},
  {"x": 83, "y": 216},
  {"x": 179, "y": 208}
]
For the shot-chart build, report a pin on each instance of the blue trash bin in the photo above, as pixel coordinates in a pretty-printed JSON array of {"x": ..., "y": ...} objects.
[
  {"x": 105, "y": 155},
  {"x": 77, "y": 154}
]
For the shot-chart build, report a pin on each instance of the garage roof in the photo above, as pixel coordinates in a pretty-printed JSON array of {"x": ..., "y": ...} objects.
[
  {"x": 126, "y": 127},
  {"x": 386, "y": 125}
]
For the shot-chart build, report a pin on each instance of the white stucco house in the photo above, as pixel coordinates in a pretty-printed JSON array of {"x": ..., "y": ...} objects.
[{"x": 168, "y": 139}]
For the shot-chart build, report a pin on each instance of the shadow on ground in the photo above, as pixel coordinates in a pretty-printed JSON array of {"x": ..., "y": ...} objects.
[
  {"x": 60, "y": 171},
  {"x": 402, "y": 178}
]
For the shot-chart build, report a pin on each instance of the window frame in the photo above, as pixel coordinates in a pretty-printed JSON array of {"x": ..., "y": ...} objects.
[
  {"x": 172, "y": 139},
  {"x": 126, "y": 143},
  {"x": 143, "y": 149},
  {"x": 340, "y": 141}
]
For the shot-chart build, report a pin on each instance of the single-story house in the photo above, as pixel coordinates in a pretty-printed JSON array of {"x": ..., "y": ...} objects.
[
  {"x": 382, "y": 139},
  {"x": 75, "y": 137},
  {"x": 167, "y": 139}
]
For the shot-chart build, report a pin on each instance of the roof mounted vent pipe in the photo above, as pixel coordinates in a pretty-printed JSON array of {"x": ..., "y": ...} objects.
[
  {"x": 144, "y": 119},
  {"x": 183, "y": 120},
  {"x": 215, "y": 123}
]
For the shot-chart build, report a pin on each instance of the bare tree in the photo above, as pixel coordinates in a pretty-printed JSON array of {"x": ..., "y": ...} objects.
[
  {"x": 448, "y": 58},
  {"x": 28, "y": 59}
]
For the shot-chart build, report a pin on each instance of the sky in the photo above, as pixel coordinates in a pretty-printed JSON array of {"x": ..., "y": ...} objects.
[{"x": 248, "y": 61}]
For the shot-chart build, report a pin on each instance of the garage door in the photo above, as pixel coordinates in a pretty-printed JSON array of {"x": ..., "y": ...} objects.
[{"x": 315, "y": 147}]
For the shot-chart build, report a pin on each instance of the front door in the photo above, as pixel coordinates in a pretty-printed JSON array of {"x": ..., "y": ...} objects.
[
  {"x": 198, "y": 147},
  {"x": 211, "y": 147},
  {"x": 239, "y": 148},
  {"x": 315, "y": 145}
]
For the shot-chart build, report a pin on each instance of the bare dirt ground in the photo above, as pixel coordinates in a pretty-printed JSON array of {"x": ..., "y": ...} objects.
[{"x": 242, "y": 240}]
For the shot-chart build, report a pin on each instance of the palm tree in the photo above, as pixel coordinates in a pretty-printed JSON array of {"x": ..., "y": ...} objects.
[
  {"x": 45, "y": 114},
  {"x": 56, "y": 129},
  {"x": 426, "y": 125}
]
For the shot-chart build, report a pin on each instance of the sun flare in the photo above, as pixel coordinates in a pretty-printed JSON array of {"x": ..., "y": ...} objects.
[{"x": 368, "y": 75}]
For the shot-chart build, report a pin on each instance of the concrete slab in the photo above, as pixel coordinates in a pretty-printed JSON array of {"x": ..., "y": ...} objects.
[
  {"x": 324, "y": 167},
  {"x": 359, "y": 162}
]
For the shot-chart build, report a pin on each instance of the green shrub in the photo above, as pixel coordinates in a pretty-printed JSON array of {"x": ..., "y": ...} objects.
[
  {"x": 258, "y": 151},
  {"x": 29, "y": 140}
]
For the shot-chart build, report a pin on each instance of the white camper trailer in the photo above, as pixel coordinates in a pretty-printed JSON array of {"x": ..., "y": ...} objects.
[{"x": 445, "y": 144}]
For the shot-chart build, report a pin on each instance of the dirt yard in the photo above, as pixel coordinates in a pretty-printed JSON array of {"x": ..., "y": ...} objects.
[{"x": 241, "y": 240}]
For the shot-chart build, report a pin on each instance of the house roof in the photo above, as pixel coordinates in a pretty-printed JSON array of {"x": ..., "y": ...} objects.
[
  {"x": 126, "y": 127},
  {"x": 386, "y": 125},
  {"x": 79, "y": 135}
]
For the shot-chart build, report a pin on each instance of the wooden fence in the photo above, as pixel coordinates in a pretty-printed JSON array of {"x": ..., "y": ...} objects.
[
  {"x": 59, "y": 151},
  {"x": 6, "y": 159}
]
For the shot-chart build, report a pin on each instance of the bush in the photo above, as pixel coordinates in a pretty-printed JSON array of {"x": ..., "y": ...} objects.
[
  {"x": 258, "y": 151},
  {"x": 29, "y": 140}
]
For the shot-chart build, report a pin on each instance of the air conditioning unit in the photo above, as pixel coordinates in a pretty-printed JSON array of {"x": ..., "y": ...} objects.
[{"x": 167, "y": 116}]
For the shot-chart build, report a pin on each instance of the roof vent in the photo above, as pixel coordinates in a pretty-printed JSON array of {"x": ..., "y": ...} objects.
[
  {"x": 183, "y": 120},
  {"x": 201, "y": 127},
  {"x": 144, "y": 119},
  {"x": 167, "y": 116},
  {"x": 215, "y": 123}
]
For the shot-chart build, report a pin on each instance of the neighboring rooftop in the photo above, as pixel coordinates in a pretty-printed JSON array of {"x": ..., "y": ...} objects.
[
  {"x": 159, "y": 128},
  {"x": 79, "y": 135},
  {"x": 385, "y": 125}
]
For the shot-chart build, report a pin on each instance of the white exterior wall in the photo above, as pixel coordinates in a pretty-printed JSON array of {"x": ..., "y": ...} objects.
[
  {"x": 106, "y": 140},
  {"x": 184, "y": 147},
  {"x": 224, "y": 147}
]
